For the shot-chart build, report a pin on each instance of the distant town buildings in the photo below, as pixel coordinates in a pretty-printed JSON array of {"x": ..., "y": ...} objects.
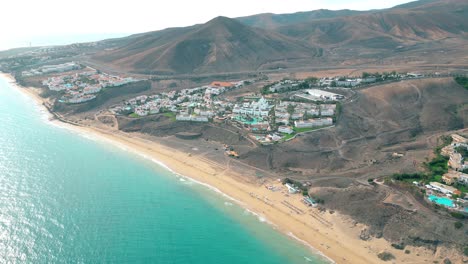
[
  {"x": 69, "y": 66},
  {"x": 268, "y": 120},
  {"x": 197, "y": 104},
  {"x": 82, "y": 86},
  {"x": 285, "y": 85}
]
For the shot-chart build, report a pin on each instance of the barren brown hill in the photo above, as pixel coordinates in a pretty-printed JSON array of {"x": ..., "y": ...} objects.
[
  {"x": 322, "y": 37},
  {"x": 220, "y": 45},
  {"x": 388, "y": 29},
  {"x": 272, "y": 21}
]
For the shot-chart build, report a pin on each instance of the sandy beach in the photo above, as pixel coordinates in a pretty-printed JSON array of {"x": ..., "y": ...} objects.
[{"x": 334, "y": 235}]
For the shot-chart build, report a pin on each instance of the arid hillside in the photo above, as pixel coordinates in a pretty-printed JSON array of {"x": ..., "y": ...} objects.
[
  {"x": 387, "y": 29},
  {"x": 425, "y": 29},
  {"x": 220, "y": 45},
  {"x": 272, "y": 21}
]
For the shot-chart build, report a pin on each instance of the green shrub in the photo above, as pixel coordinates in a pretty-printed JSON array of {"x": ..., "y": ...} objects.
[
  {"x": 458, "y": 225},
  {"x": 463, "y": 81},
  {"x": 463, "y": 151},
  {"x": 408, "y": 176},
  {"x": 398, "y": 246},
  {"x": 457, "y": 215},
  {"x": 386, "y": 256}
]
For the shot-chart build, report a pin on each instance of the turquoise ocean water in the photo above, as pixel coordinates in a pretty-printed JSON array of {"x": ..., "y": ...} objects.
[{"x": 68, "y": 198}]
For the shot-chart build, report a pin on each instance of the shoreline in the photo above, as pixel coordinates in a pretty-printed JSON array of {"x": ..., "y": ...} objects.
[{"x": 332, "y": 236}]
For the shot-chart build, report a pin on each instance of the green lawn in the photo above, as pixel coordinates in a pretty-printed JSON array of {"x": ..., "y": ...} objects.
[
  {"x": 171, "y": 115},
  {"x": 287, "y": 136},
  {"x": 134, "y": 115},
  {"x": 306, "y": 129},
  {"x": 438, "y": 167}
]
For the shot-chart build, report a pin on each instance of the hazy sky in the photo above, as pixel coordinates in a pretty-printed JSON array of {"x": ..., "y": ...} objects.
[{"x": 45, "y": 22}]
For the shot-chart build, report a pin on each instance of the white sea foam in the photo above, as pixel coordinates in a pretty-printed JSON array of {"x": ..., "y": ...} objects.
[{"x": 318, "y": 252}]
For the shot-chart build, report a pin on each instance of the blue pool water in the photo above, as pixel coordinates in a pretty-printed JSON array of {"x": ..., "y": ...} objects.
[{"x": 441, "y": 200}]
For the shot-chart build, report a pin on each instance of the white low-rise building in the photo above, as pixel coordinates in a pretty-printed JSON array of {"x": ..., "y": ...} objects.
[
  {"x": 316, "y": 122},
  {"x": 327, "y": 109},
  {"x": 59, "y": 68},
  {"x": 141, "y": 111},
  {"x": 284, "y": 121},
  {"x": 192, "y": 118},
  {"x": 291, "y": 189},
  {"x": 259, "y": 108},
  {"x": 313, "y": 112},
  {"x": 445, "y": 189},
  {"x": 348, "y": 82},
  {"x": 327, "y": 112},
  {"x": 282, "y": 115},
  {"x": 81, "y": 99},
  {"x": 154, "y": 110},
  {"x": 92, "y": 89},
  {"x": 285, "y": 129},
  {"x": 200, "y": 112},
  {"x": 463, "y": 179},
  {"x": 324, "y": 95},
  {"x": 297, "y": 116}
]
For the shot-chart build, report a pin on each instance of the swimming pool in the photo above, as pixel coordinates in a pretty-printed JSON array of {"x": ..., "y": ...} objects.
[
  {"x": 441, "y": 200},
  {"x": 244, "y": 120}
]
